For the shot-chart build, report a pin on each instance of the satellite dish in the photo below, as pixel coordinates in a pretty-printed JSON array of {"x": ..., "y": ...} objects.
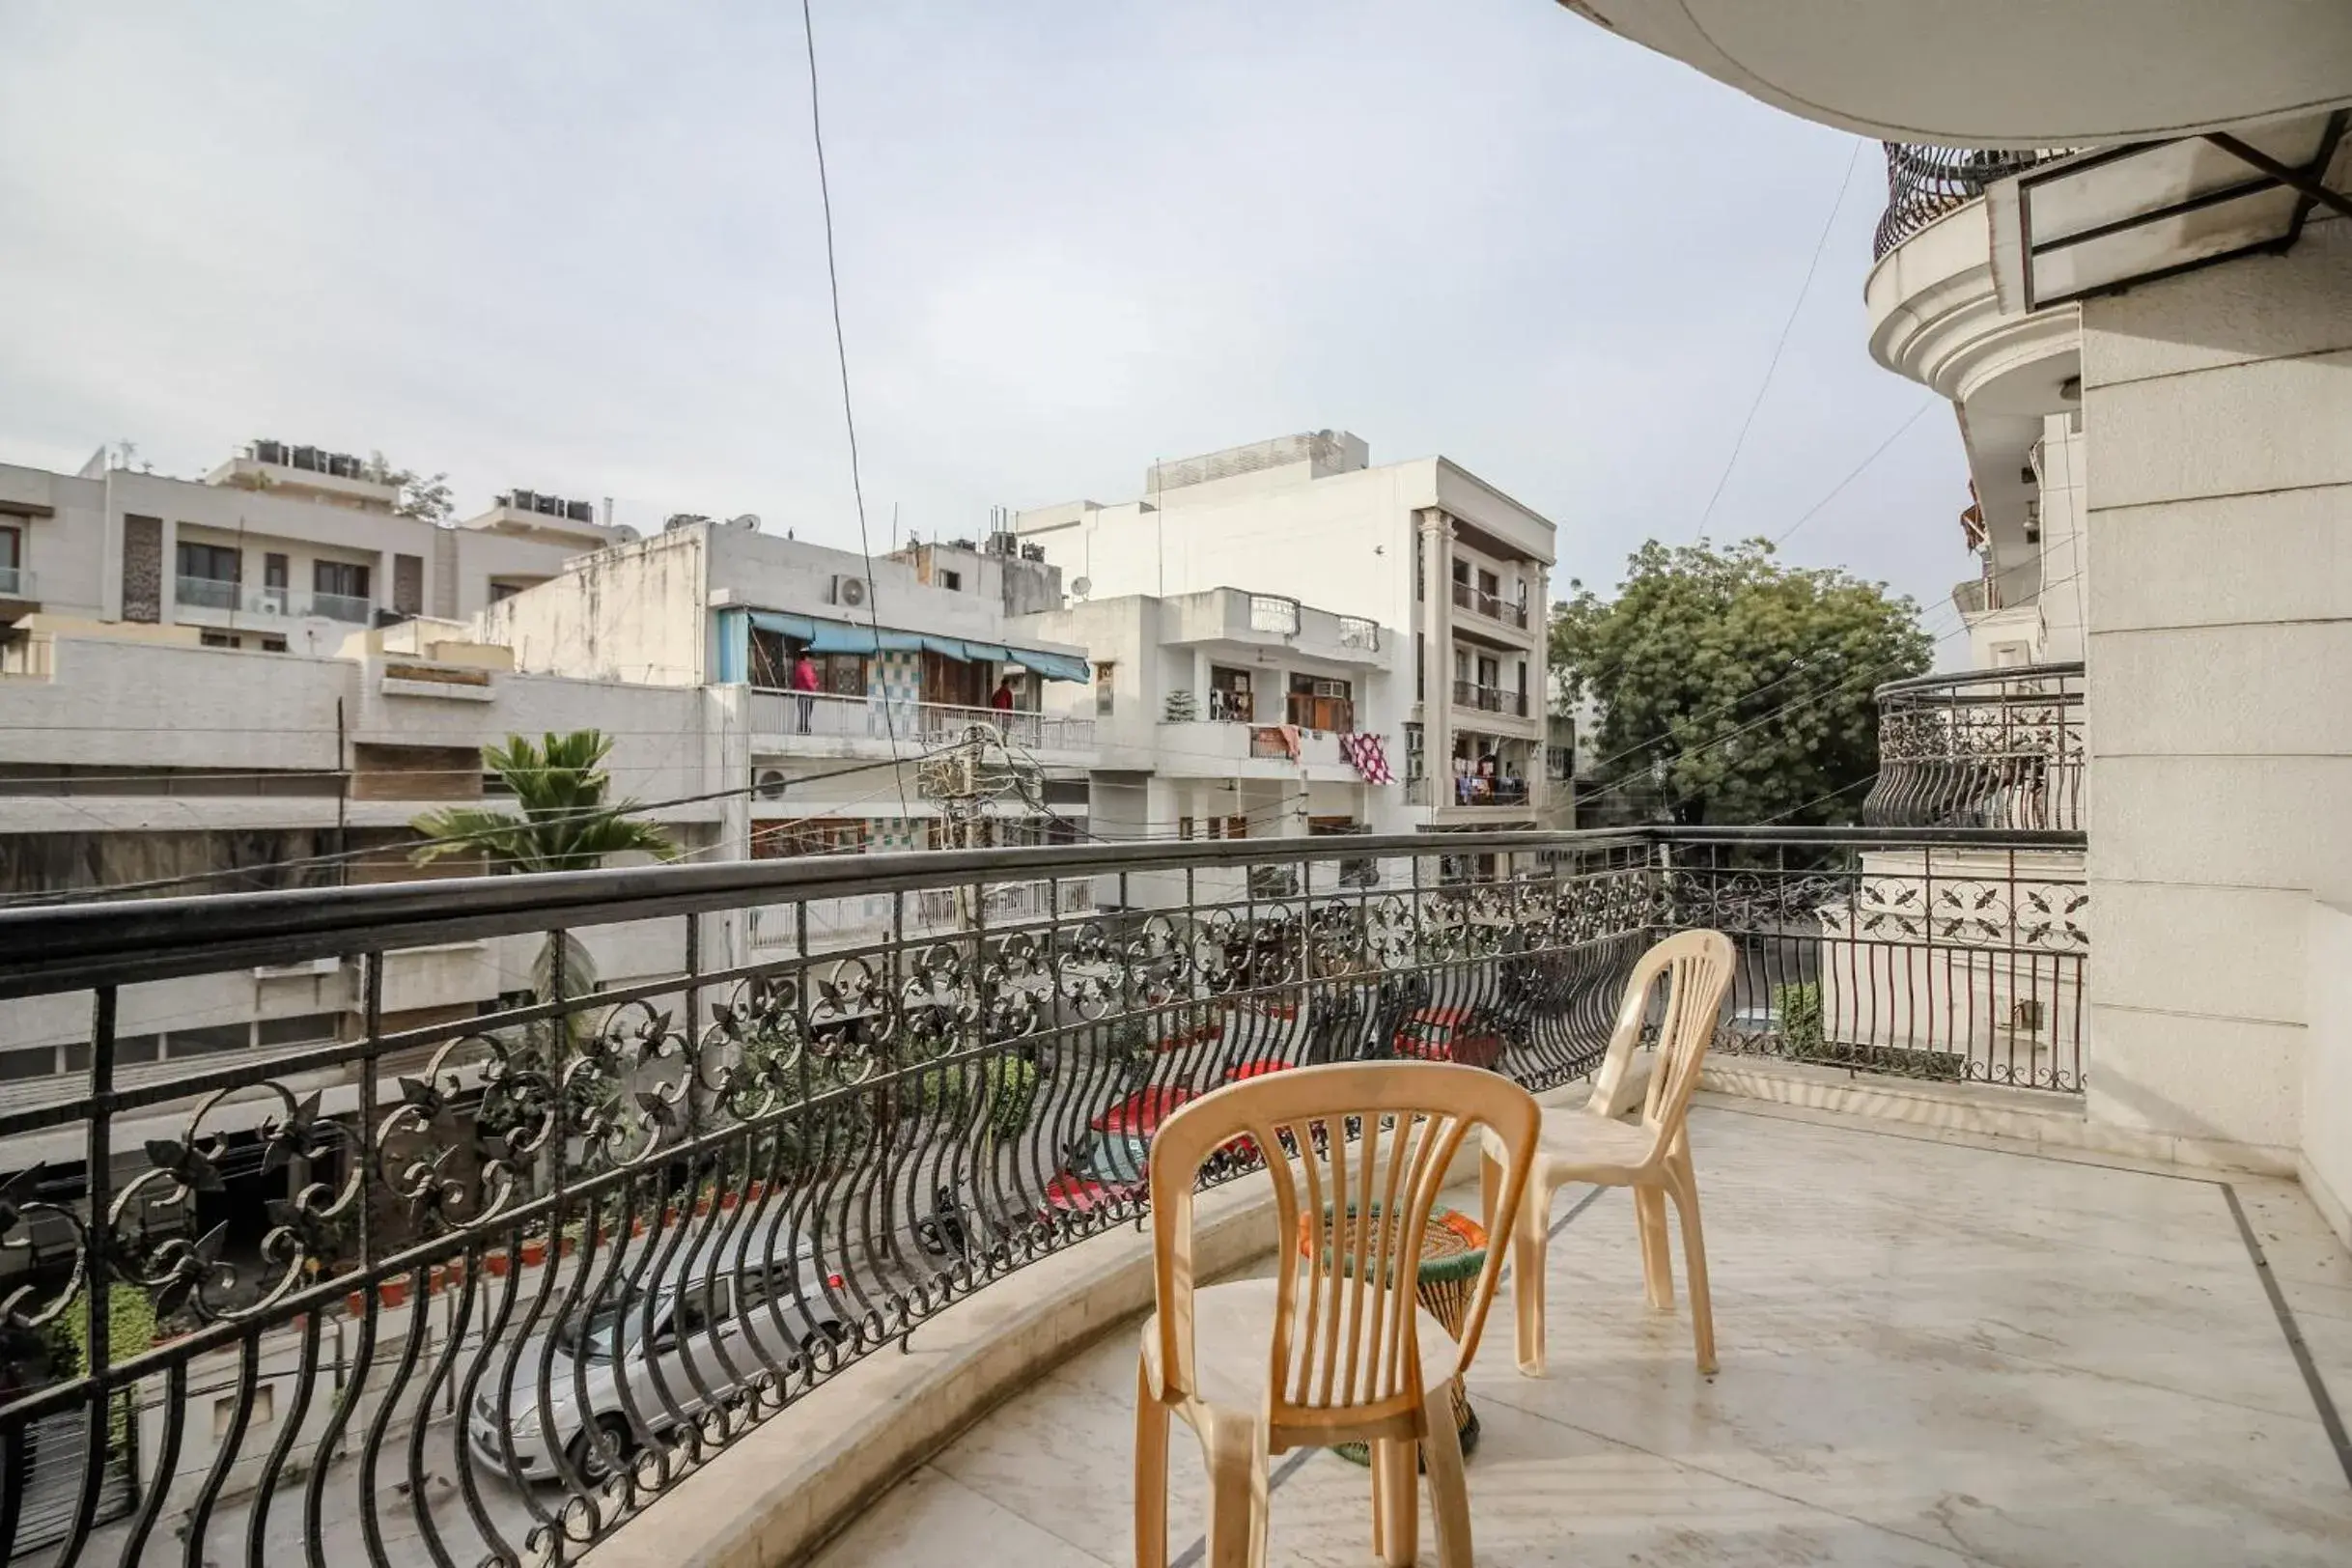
[
  {"x": 1082, "y": 586},
  {"x": 748, "y": 520}
]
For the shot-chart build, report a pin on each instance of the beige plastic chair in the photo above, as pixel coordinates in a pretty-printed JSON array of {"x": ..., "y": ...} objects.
[
  {"x": 1334, "y": 1348},
  {"x": 1651, "y": 1155}
]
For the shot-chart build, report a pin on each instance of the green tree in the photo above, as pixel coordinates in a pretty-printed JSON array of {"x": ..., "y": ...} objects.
[
  {"x": 1736, "y": 688},
  {"x": 426, "y": 497},
  {"x": 565, "y": 823}
]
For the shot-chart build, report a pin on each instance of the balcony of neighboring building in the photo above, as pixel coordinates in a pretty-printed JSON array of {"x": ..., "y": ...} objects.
[
  {"x": 1238, "y": 621},
  {"x": 549, "y": 520},
  {"x": 309, "y": 473},
  {"x": 2000, "y": 748},
  {"x": 229, "y": 582}
]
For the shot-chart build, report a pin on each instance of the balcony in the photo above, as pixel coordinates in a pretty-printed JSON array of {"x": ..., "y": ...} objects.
[
  {"x": 1487, "y": 699},
  {"x": 828, "y": 716},
  {"x": 1987, "y": 748},
  {"x": 1925, "y": 182},
  {"x": 16, "y": 582},
  {"x": 270, "y": 602},
  {"x": 1493, "y": 606},
  {"x": 762, "y": 1175}
]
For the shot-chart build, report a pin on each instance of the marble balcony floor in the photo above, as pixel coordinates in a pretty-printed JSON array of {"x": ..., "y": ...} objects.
[{"x": 1933, "y": 1354}]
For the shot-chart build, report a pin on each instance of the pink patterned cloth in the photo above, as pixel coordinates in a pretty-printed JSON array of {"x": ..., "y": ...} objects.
[{"x": 1369, "y": 756}]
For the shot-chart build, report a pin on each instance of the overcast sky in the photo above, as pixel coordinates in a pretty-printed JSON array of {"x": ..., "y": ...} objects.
[{"x": 578, "y": 247}]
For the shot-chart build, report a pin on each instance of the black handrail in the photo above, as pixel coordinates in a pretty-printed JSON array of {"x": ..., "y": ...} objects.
[{"x": 1923, "y": 182}]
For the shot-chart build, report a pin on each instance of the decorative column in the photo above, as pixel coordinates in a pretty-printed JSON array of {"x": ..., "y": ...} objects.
[{"x": 1436, "y": 623}]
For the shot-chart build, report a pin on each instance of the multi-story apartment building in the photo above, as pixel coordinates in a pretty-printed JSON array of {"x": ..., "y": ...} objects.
[
  {"x": 1460, "y": 568},
  {"x": 2130, "y": 270},
  {"x": 280, "y": 549}
]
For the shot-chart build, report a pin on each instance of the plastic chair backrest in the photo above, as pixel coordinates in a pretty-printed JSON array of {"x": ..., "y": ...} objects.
[
  {"x": 1696, "y": 966},
  {"x": 1360, "y": 1150}
]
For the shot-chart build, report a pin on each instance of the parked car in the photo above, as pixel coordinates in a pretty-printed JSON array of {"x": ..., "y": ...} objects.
[
  {"x": 1449, "y": 1034},
  {"x": 1112, "y": 1166},
  {"x": 688, "y": 1332},
  {"x": 1109, "y": 1166}
]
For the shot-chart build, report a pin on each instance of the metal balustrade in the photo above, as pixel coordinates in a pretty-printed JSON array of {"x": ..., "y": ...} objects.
[
  {"x": 1924, "y": 182},
  {"x": 1985, "y": 748},
  {"x": 486, "y": 1288}
]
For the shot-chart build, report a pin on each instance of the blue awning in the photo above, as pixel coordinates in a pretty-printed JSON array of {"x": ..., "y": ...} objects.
[
  {"x": 1052, "y": 666},
  {"x": 946, "y": 647},
  {"x": 986, "y": 650},
  {"x": 836, "y": 637},
  {"x": 788, "y": 626}
]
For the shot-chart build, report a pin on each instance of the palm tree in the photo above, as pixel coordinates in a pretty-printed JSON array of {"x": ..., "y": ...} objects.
[{"x": 566, "y": 825}]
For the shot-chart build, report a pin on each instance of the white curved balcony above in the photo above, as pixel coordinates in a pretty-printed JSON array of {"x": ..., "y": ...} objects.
[
  {"x": 2008, "y": 72},
  {"x": 1936, "y": 318}
]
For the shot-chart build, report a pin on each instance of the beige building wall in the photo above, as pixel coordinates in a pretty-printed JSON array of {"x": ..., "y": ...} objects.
[{"x": 2218, "y": 418}]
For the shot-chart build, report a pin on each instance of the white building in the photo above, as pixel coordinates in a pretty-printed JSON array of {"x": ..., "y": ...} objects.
[
  {"x": 2149, "y": 345},
  {"x": 1230, "y": 715},
  {"x": 1423, "y": 547},
  {"x": 281, "y": 549}
]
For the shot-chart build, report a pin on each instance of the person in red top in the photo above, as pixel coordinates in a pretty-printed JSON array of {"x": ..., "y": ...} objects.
[
  {"x": 804, "y": 685},
  {"x": 1001, "y": 699}
]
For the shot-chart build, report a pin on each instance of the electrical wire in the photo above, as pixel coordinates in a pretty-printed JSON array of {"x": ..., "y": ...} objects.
[
  {"x": 841, "y": 353},
  {"x": 1838, "y": 488},
  {"x": 1814, "y": 265}
]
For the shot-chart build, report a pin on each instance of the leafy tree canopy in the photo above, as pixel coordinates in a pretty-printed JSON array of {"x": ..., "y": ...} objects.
[{"x": 1736, "y": 688}]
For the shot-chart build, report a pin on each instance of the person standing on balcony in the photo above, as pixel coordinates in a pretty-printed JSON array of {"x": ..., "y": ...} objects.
[
  {"x": 804, "y": 685},
  {"x": 1001, "y": 699}
]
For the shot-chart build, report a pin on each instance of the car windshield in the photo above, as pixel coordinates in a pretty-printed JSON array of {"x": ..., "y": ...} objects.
[
  {"x": 599, "y": 1334},
  {"x": 1114, "y": 1157}
]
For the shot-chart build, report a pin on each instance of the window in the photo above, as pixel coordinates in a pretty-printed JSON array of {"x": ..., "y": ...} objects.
[
  {"x": 1184, "y": 827},
  {"x": 952, "y": 581},
  {"x": 220, "y": 640},
  {"x": 12, "y": 550},
  {"x": 1489, "y": 585},
  {"x": 507, "y": 590},
  {"x": 32, "y": 1062},
  {"x": 211, "y": 563},
  {"x": 273, "y": 645},
  {"x": 1320, "y": 704},
  {"x": 342, "y": 579},
  {"x": 300, "y": 1029},
  {"x": 1462, "y": 572},
  {"x": 273, "y": 571},
  {"x": 210, "y": 1037},
  {"x": 1102, "y": 685},
  {"x": 1421, "y": 667}
]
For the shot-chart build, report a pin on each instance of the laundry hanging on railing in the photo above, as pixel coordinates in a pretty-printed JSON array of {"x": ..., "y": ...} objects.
[
  {"x": 1369, "y": 757},
  {"x": 1287, "y": 734}
]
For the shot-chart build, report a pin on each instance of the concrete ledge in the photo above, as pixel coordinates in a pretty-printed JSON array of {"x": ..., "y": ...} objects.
[{"x": 2030, "y": 1116}]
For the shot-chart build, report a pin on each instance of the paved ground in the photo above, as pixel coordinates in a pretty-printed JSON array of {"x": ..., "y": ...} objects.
[{"x": 1934, "y": 1355}]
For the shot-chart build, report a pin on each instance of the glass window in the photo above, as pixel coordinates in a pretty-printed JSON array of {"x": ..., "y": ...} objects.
[
  {"x": 273, "y": 571},
  {"x": 31, "y": 1062},
  {"x": 12, "y": 550},
  {"x": 211, "y": 563},
  {"x": 209, "y": 1037},
  {"x": 286, "y": 1031},
  {"x": 1101, "y": 685},
  {"x": 342, "y": 579}
]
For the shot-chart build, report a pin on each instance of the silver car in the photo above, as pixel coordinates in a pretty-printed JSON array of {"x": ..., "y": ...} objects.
[{"x": 677, "y": 1347}]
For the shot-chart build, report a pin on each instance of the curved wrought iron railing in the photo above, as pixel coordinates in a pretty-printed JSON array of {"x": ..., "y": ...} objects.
[
  {"x": 1987, "y": 748},
  {"x": 468, "y": 1289},
  {"x": 1924, "y": 182}
]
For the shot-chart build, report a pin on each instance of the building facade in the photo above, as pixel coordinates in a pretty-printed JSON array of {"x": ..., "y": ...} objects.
[{"x": 1458, "y": 567}]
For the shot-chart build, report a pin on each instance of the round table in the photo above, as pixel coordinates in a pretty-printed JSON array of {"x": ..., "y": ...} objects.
[{"x": 1453, "y": 1250}]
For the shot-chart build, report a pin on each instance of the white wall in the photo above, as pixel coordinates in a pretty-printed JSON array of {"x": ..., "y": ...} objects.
[
  {"x": 631, "y": 613},
  {"x": 66, "y": 551},
  {"x": 2218, "y": 421}
]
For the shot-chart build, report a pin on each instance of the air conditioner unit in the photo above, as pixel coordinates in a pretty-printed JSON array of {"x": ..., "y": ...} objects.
[
  {"x": 769, "y": 783},
  {"x": 851, "y": 591}
]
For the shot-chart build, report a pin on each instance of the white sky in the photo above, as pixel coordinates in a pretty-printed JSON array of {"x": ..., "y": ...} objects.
[{"x": 576, "y": 247}]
